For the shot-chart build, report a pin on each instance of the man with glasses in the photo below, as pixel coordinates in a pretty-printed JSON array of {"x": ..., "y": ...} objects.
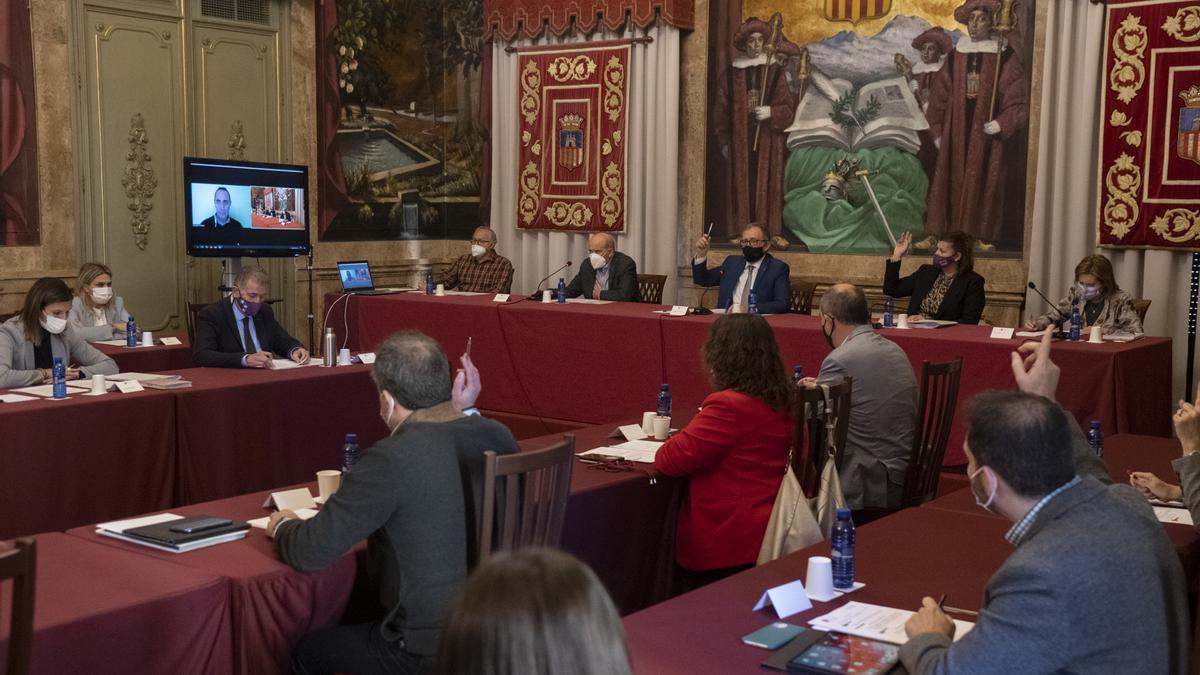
[
  {"x": 482, "y": 270},
  {"x": 607, "y": 274},
  {"x": 755, "y": 270}
]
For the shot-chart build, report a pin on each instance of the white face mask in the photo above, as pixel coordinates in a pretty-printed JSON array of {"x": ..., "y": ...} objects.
[
  {"x": 985, "y": 505},
  {"x": 389, "y": 405},
  {"x": 598, "y": 261},
  {"x": 477, "y": 250},
  {"x": 102, "y": 294},
  {"x": 53, "y": 324}
]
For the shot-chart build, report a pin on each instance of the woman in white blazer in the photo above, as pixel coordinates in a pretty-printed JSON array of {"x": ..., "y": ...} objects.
[
  {"x": 30, "y": 341},
  {"x": 96, "y": 312}
]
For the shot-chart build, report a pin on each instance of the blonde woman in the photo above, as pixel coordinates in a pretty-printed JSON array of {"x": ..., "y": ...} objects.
[{"x": 96, "y": 312}]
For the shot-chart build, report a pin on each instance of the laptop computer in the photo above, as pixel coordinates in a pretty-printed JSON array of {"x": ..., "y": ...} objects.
[{"x": 356, "y": 278}]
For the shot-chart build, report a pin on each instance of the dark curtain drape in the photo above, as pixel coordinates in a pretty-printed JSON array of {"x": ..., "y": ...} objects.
[
  {"x": 331, "y": 182},
  {"x": 724, "y": 20},
  {"x": 18, "y": 132}
]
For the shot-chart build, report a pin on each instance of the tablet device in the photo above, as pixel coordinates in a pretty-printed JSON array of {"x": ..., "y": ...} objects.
[
  {"x": 772, "y": 636},
  {"x": 839, "y": 654}
]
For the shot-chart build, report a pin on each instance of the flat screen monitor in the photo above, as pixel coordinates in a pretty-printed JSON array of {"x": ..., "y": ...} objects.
[{"x": 251, "y": 209}]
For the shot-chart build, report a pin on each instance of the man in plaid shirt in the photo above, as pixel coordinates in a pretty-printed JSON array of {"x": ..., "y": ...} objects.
[{"x": 482, "y": 270}]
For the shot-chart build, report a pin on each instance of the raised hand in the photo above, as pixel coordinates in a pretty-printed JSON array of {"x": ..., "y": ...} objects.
[{"x": 902, "y": 246}]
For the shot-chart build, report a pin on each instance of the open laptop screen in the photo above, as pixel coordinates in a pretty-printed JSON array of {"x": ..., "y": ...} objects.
[{"x": 355, "y": 275}]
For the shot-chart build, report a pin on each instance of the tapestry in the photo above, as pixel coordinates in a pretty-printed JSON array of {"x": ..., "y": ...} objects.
[
  {"x": 510, "y": 19},
  {"x": 1150, "y": 126},
  {"x": 18, "y": 131},
  {"x": 840, "y": 125},
  {"x": 400, "y": 143},
  {"x": 572, "y": 127}
]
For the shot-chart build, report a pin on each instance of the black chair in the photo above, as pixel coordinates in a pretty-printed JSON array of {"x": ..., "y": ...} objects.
[
  {"x": 650, "y": 288},
  {"x": 20, "y": 565},
  {"x": 1141, "y": 306},
  {"x": 536, "y": 487},
  {"x": 801, "y": 297},
  {"x": 810, "y": 432},
  {"x": 193, "y": 311},
  {"x": 935, "y": 416}
]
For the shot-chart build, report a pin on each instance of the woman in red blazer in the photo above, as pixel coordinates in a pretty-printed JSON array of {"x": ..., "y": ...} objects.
[{"x": 733, "y": 452}]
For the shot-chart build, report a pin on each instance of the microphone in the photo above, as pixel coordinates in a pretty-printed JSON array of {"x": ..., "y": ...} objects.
[
  {"x": 1053, "y": 306},
  {"x": 537, "y": 292},
  {"x": 700, "y": 309}
]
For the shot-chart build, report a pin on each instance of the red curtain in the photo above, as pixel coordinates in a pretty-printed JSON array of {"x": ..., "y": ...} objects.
[
  {"x": 18, "y": 133},
  {"x": 508, "y": 19}
]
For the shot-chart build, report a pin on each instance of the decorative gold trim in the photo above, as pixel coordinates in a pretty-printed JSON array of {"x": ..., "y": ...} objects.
[
  {"x": 563, "y": 214},
  {"x": 1121, "y": 209},
  {"x": 237, "y": 141},
  {"x": 1128, "y": 72},
  {"x": 566, "y": 68},
  {"x": 1119, "y": 119},
  {"x": 139, "y": 181},
  {"x": 614, "y": 89},
  {"x": 1185, "y": 25},
  {"x": 528, "y": 202},
  {"x": 531, "y": 84},
  {"x": 610, "y": 204},
  {"x": 1178, "y": 226},
  {"x": 1133, "y": 138}
]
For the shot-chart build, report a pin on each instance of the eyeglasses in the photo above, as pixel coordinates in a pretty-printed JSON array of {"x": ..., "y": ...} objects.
[
  {"x": 753, "y": 242},
  {"x": 616, "y": 465},
  {"x": 481, "y": 242}
]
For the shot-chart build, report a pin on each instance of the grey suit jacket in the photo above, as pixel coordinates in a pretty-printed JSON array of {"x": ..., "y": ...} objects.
[
  {"x": 1094, "y": 587},
  {"x": 83, "y": 320},
  {"x": 1188, "y": 470},
  {"x": 17, "y": 367},
  {"x": 883, "y": 412}
]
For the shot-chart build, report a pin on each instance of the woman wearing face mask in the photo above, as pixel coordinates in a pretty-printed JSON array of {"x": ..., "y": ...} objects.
[
  {"x": 949, "y": 289},
  {"x": 30, "y": 341},
  {"x": 1101, "y": 301},
  {"x": 96, "y": 312}
]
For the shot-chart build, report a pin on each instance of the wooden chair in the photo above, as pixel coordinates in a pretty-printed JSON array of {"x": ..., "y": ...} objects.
[
  {"x": 935, "y": 416},
  {"x": 1141, "y": 306},
  {"x": 193, "y": 310},
  {"x": 20, "y": 565},
  {"x": 650, "y": 288},
  {"x": 802, "y": 295},
  {"x": 810, "y": 431},
  {"x": 535, "y": 490}
]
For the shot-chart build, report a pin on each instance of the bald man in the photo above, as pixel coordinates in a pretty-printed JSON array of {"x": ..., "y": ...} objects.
[{"x": 607, "y": 274}]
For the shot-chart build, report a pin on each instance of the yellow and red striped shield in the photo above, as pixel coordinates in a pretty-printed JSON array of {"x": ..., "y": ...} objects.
[{"x": 856, "y": 10}]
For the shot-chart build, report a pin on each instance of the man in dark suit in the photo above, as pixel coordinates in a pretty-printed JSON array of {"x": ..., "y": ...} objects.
[
  {"x": 754, "y": 270},
  {"x": 240, "y": 331},
  {"x": 220, "y": 216},
  {"x": 607, "y": 274}
]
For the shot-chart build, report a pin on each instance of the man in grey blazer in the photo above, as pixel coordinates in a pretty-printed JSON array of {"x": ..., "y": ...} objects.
[
  {"x": 1093, "y": 585},
  {"x": 883, "y": 400}
]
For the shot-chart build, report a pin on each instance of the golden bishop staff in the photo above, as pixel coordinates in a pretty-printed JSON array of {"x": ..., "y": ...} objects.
[{"x": 769, "y": 50}]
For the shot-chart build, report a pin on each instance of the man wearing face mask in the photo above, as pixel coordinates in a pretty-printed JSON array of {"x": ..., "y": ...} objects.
[
  {"x": 1092, "y": 586},
  {"x": 240, "y": 331},
  {"x": 607, "y": 274},
  {"x": 412, "y": 496},
  {"x": 482, "y": 270},
  {"x": 754, "y": 269},
  {"x": 31, "y": 340},
  {"x": 883, "y": 400}
]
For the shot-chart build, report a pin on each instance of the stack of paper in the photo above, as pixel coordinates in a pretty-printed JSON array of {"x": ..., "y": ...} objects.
[
  {"x": 874, "y": 622},
  {"x": 47, "y": 390},
  {"x": 303, "y": 514},
  {"x": 117, "y": 528},
  {"x": 634, "y": 451}
]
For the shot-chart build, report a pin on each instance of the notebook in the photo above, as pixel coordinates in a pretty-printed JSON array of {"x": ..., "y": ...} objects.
[{"x": 355, "y": 276}]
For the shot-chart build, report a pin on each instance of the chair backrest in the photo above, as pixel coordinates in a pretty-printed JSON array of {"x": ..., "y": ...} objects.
[
  {"x": 193, "y": 310},
  {"x": 5, "y": 316},
  {"x": 802, "y": 295},
  {"x": 810, "y": 431},
  {"x": 1141, "y": 306},
  {"x": 20, "y": 565},
  {"x": 935, "y": 415},
  {"x": 536, "y": 486},
  {"x": 650, "y": 288}
]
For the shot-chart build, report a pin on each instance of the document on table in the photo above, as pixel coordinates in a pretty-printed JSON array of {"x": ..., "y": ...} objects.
[
  {"x": 141, "y": 377},
  {"x": 15, "y": 398},
  {"x": 120, "y": 526},
  {"x": 112, "y": 343},
  {"x": 930, "y": 323},
  {"x": 261, "y": 523},
  {"x": 286, "y": 364},
  {"x": 634, "y": 451},
  {"x": 47, "y": 390},
  {"x": 1029, "y": 333},
  {"x": 874, "y": 622},
  {"x": 1167, "y": 514},
  {"x": 588, "y": 301}
]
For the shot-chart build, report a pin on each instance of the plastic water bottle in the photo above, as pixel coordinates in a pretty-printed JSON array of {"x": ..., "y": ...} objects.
[
  {"x": 1096, "y": 438},
  {"x": 560, "y": 296},
  {"x": 1076, "y": 323},
  {"x": 130, "y": 332},
  {"x": 429, "y": 282},
  {"x": 350, "y": 453},
  {"x": 797, "y": 374},
  {"x": 664, "y": 401},
  {"x": 842, "y": 539},
  {"x": 60, "y": 378},
  {"x": 887, "y": 312},
  {"x": 752, "y": 303}
]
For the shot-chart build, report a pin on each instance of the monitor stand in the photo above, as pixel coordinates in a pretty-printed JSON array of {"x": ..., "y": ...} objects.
[{"x": 230, "y": 269}]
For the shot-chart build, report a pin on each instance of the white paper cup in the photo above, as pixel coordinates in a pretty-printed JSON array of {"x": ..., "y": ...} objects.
[
  {"x": 902, "y": 321},
  {"x": 147, "y": 339},
  {"x": 99, "y": 386},
  {"x": 343, "y": 357},
  {"x": 440, "y": 289},
  {"x": 662, "y": 427},
  {"x": 648, "y": 422},
  {"x": 819, "y": 583},
  {"x": 547, "y": 296},
  {"x": 1096, "y": 335},
  {"x": 328, "y": 482}
]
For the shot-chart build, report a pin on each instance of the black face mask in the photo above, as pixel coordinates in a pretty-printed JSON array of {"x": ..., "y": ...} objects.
[
  {"x": 828, "y": 336},
  {"x": 753, "y": 254}
]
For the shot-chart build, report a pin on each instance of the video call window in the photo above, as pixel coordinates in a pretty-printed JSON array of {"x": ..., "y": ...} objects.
[{"x": 249, "y": 207}]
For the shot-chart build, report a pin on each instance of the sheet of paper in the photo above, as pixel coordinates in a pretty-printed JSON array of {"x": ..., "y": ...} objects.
[
  {"x": 47, "y": 390},
  {"x": 1029, "y": 333},
  {"x": 16, "y": 398},
  {"x": 261, "y": 523},
  {"x": 130, "y": 387},
  {"x": 367, "y": 357},
  {"x": 140, "y": 377},
  {"x": 283, "y": 364},
  {"x": 632, "y": 432},
  {"x": 874, "y": 622},
  {"x": 1122, "y": 337},
  {"x": 171, "y": 341},
  {"x": 1167, "y": 514},
  {"x": 122, "y": 525},
  {"x": 634, "y": 451},
  {"x": 300, "y": 498},
  {"x": 111, "y": 343},
  {"x": 787, "y": 599},
  {"x": 500, "y": 297},
  {"x": 1002, "y": 333},
  {"x": 588, "y": 301},
  {"x": 464, "y": 293}
]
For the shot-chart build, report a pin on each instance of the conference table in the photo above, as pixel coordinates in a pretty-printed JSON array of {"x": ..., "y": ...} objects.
[
  {"x": 153, "y": 359},
  {"x": 588, "y": 363}
]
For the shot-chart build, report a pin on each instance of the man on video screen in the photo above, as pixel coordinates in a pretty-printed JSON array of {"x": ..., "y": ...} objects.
[{"x": 220, "y": 218}]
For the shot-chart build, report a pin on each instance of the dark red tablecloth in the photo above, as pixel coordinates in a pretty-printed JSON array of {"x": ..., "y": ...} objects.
[
  {"x": 67, "y": 462},
  {"x": 242, "y": 430},
  {"x": 271, "y": 605},
  {"x": 901, "y": 558},
  {"x": 150, "y": 359},
  {"x": 101, "y": 610}
]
